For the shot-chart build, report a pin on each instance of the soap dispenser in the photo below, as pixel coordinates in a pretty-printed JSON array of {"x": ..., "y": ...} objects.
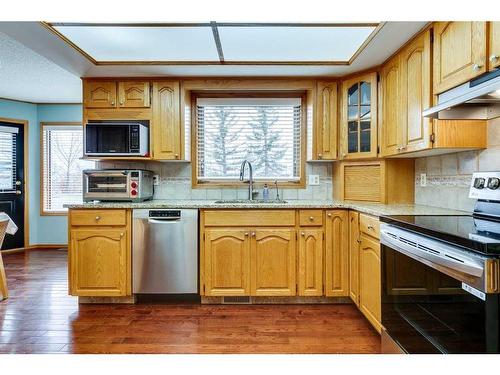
[{"x": 265, "y": 192}]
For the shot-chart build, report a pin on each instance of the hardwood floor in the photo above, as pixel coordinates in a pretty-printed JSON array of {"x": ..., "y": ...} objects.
[{"x": 40, "y": 317}]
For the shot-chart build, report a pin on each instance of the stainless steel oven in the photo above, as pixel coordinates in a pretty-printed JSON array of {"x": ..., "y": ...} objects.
[
  {"x": 117, "y": 138},
  {"x": 117, "y": 185}
]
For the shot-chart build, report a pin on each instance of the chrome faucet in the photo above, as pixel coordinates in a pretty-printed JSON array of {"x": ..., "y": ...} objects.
[{"x": 250, "y": 177}]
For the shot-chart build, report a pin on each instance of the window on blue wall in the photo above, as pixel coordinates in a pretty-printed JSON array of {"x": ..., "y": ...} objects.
[{"x": 62, "y": 166}]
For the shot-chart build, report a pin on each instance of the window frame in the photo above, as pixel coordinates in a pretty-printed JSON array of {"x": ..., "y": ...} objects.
[
  {"x": 216, "y": 183},
  {"x": 43, "y": 212}
]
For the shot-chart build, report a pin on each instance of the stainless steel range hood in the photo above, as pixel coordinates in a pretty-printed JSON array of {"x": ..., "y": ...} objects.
[{"x": 477, "y": 99}]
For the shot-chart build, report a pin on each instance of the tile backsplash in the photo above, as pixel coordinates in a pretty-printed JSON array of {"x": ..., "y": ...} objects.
[
  {"x": 175, "y": 183},
  {"x": 449, "y": 175}
]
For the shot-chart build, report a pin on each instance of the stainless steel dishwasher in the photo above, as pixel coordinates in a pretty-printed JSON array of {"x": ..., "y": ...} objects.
[{"x": 165, "y": 251}]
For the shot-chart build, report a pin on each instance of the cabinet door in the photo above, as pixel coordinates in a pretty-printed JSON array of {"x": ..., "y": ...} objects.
[
  {"x": 326, "y": 121},
  {"x": 390, "y": 119},
  {"x": 337, "y": 253},
  {"x": 133, "y": 94},
  {"x": 358, "y": 138},
  {"x": 273, "y": 262},
  {"x": 459, "y": 53},
  {"x": 494, "y": 41},
  {"x": 100, "y": 262},
  {"x": 369, "y": 281},
  {"x": 354, "y": 256},
  {"x": 166, "y": 127},
  {"x": 311, "y": 262},
  {"x": 416, "y": 94},
  {"x": 227, "y": 262},
  {"x": 99, "y": 94}
]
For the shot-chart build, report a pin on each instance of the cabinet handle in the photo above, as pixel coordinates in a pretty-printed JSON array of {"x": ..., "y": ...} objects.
[
  {"x": 476, "y": 67},
  {"x": 97, "y": 218},
  {"x": 329, "y": 215},
  {"x": 398, "y": 148},
  {"x": 311, "y": 218},
  {"x": 344, "y": 154},
  {"x": 246, "y": 234},
  {"x": 176, "y": 156},
  {"x": 370, "y": 227},
  {"x": 122, "y": 234},
  {"x": 320, "y": 156},
  {"x": 493, "y": 58},
  {"x": 358, "y": 240},
  {"x": 122, "y": 102},
  {"x": 253, "y": 234},
  {"x": 303, "y": 234},
  {"x": 112, "y": 102}
]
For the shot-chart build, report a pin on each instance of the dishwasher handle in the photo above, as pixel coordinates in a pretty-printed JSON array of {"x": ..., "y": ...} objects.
[{"x": 163, "y": 220}]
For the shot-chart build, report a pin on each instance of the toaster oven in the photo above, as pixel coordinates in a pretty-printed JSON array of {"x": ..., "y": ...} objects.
[{"x": 131, "y": 185}]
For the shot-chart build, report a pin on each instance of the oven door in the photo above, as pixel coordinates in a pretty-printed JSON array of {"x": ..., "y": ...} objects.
[
  {"x": 107, "y": 185},
  {"x": 107, "y": 139},
  {"x": 427, "y": 311}
]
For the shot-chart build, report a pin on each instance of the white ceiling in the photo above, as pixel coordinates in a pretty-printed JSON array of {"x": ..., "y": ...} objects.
[{"x": 38, "y": 66}]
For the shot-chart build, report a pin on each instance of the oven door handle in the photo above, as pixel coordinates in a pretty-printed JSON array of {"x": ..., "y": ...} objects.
[{"x": 465, "y": 266}]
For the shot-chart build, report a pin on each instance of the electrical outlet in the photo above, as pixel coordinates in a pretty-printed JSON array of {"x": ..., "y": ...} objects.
[
  {"x": 156, "y": 179},
  {"x": 423, "y": 179},
  {"x": 313, "y": 179}
]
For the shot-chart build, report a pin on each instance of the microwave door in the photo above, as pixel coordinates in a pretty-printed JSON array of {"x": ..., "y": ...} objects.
[{"x": 107, "y": 139}]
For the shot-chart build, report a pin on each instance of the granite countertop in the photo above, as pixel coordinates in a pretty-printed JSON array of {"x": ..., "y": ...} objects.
[{"x": 375, "y": 209}]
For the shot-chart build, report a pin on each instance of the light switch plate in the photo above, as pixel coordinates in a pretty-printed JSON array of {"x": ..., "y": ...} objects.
[
  {"x": 156, "y": 179},
  {"x": 314, "y": 179},
  {"x": 423, "y": 179}
]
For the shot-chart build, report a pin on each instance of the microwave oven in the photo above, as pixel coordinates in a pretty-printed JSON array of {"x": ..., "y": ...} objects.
[{"x": 117, "y": 138}]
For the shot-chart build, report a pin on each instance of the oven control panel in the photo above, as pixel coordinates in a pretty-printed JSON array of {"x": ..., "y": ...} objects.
[{"x": 485, "y": 185}]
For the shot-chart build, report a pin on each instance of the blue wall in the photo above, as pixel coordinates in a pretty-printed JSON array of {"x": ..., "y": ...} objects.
[{"x": 42, "y": 229}]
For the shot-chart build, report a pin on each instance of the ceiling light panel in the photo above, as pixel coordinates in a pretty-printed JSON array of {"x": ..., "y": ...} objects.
[
  {"x": 292, "y": 43},
  {"x": 138, "y": 43}
]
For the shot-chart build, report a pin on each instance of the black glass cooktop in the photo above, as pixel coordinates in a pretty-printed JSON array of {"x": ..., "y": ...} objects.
[{"x": 472, "y": 233}]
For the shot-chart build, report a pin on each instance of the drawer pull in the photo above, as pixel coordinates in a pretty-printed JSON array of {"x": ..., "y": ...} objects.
[
  {"x": 303, "y": 234},
  {"x": 122, "y": 234},
  {"x": 97, "y": 218},
  {"x": 311, "y": 218},
  {"x": 370, "y": 227},
  {"x": 246, "y": 234},
  {"x": 476, "y": 67},
  {"x": 253, "y": 234},
  {"x": 112, "y": 102},
  {"x": 493, "y": 58},
  {"x": 329, "y": 215}
]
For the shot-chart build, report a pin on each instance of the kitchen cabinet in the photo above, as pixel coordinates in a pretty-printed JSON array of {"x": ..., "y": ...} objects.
[
  {"x": 311, "y": 262},
  {"x": 227, "y": 262},
  {"x": 459, "y": 53},
  {"x": 133, "y": 94},
  {"x": 99, "y": 94},
  {"x": 358, "y": 120},
  {"x": 325, "y": 131},
  {"x": 166, "y": 129},
  {"x": 99, "y": 253},
  {"x": 494, "y": 45},
  {"x": 354, "y": 241},
  {"x": 337, "y": 253},
  {"x": 116, "y": 94},
  {"x": 273, "y": 263}
]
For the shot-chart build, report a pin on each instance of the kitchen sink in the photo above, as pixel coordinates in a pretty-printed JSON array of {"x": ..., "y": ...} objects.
[{"x": 255, "y": 201}]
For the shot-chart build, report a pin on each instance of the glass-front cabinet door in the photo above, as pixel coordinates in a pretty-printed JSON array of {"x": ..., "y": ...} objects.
[{"x": 358, "y": 127}]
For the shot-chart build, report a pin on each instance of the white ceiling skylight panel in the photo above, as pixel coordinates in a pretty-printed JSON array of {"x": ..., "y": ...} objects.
[
  {"x": 143, "y": 43},
  {"x": 292, "y": 43}
]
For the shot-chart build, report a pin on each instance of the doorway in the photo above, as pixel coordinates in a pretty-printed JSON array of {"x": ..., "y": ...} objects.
[{"x": 13, "y": 179}]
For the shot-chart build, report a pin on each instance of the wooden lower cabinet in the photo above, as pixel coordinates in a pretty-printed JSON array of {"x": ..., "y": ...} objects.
[
  {"x": 272, "y": 262},
  {"x": 100, "y": 262},
  {"x": 354, "y": 256},
  {"x": 337, "y": 253},
  {"x": 369, "y": 280},
  {"x": 227, "y": 262},
  {"x": 311, "y": 262}
]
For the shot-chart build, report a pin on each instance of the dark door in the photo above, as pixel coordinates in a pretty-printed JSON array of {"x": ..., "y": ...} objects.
[{"x": 12, "y": 191}]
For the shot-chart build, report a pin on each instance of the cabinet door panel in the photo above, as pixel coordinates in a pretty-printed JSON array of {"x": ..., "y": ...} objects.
[
  {"x": 227, "y": 262},
  {"x": 273, "y": 262},
  {"x": 391, "y": 127},
  {"x": 337, "y": 253},
  {"x": 326, "y": 121},
  {"x": 459, "y": 53},
  {"x": 99, "y": 262},
  {"x": 99, "y": 94},
  {"x": 133, "y": 94},
  {"x": 494, "y": 40},
  {"x": 166, "y": 127},
  {"x": 354, "y": 256},
  {"x": 369, "y": 284},
  {"x": 311, "y": 262}
]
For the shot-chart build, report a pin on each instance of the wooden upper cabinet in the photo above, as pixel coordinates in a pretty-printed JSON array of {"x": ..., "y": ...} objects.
[
  {"x": 273, "y": 262},
  {"x": 354, "y": 256},
  {"x": 311, "y": 262},
  {"x": 358, "y": 120},
  {"x": 133, "y": 94},
  {"x": 326, "y": 121},
  {"x": 391, "y": 128},
  {"x": 459, "y": 53},
  {"x": 227, "y": 262},
  {"x": 166, "y": 126},
  {"x": 337, "y": 253},
  {"x": 99, "y": 94},
  {"x": 369, "y": 281},
  {"x": 494, "y": 45}
]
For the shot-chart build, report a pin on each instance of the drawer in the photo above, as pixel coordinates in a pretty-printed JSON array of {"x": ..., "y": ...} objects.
[
  {"x": 369, "y": 225},
  {"x": 252, "y": 218},
  {"x": 98, "y": 217},
  {"x": 310, "y": 218}
]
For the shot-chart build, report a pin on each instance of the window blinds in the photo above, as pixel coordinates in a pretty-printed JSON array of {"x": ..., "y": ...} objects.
[
  {"x": 62, "y": 166},
  {"x": 8, "y": 159},
  {"x": 265, "y": 131}
]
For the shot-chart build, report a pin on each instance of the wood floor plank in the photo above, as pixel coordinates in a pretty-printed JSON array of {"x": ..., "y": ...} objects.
[{"x": 40, "y": 317}]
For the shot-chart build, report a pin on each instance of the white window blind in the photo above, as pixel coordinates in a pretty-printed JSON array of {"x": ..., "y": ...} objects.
[
  {"x": 62, "y": 166},
  {"x": 8, "y": 159},
  {"x": 265, "y": 131}
]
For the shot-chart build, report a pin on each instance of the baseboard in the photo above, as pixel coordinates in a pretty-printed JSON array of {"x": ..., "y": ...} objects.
[{"x": 36, "y": 247}]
